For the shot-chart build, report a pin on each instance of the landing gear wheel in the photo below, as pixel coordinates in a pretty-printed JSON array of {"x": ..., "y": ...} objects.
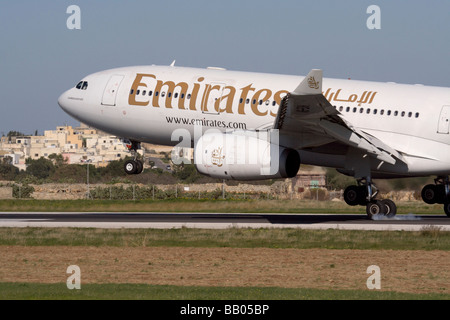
[
  {"x": 140, "y": 167},
  {"x": 390, "y": 208},
  {"x": 130, "y": 167},
  {"x": 351, "y": 195},
  {"x": 375, "y": 208},
  {"x": 447, "y": 209},
  {"x": 355, "y": 195},
  {"x": 430, "y": 194}
]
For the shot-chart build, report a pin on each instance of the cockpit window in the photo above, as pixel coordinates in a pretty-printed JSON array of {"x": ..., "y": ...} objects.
[{"x": 82, "y": 85}]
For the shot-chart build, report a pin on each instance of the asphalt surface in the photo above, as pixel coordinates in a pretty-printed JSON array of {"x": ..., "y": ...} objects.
[{"x": 221, "y": 220}]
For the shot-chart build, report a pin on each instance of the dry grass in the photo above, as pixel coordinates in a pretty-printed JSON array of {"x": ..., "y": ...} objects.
[{"x": 401, "y": 271}]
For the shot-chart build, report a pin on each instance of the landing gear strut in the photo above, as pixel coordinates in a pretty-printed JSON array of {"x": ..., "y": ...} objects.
[
  {"x": 364, "y": 194},
  {"x": 133, "y": 166},
  {"x": 438, "y": 193}
]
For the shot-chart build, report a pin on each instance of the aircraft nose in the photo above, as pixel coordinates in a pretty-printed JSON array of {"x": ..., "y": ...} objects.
[
  {"x": 67, "y": 104},
  {"x": 62, "y": 100}
]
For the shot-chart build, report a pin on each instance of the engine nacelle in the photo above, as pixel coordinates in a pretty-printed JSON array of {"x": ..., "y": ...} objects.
[{"x": 244, "y": 156}]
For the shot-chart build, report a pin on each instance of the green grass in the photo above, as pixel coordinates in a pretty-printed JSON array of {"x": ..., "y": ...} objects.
[
  {"x": 39, "y": 291},
  {"x": 191, "y": 205},
  {"x": 427, "y": 239}
]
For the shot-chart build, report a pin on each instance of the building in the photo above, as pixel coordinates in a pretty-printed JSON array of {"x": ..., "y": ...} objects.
[{"x": 77, "y": 145}]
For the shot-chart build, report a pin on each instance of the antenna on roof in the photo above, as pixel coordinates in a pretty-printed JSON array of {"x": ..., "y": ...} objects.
[{"x": 173, "y": 63}]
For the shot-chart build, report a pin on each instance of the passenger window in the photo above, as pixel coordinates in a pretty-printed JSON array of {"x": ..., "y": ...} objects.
[
  {"x": 417, "y": 114},
  {"x": 395, "y": 113},
  {"x": 131, "y": 91},
  {"x": 409, "y": 114},
  {"x": 382, "y": 111},
  {"x": 150, "y": 93},
  {"x": 144, "y": 92}
]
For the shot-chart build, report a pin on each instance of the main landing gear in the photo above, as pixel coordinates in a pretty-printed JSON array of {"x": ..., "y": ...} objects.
[
  {"x": 364, "y": 194},
  {"x": 438, "y": 193},
  {"x": 133, "y": 166}
]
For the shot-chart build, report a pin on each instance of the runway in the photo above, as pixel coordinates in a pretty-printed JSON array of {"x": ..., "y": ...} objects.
[{"x": 220, "y": 220}]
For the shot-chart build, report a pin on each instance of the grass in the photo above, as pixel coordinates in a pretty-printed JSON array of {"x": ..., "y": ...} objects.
[
  {"x": 427, "y": 239},
  {"x": 39, "y": 291},
  {"x": 191, "y": 205}
]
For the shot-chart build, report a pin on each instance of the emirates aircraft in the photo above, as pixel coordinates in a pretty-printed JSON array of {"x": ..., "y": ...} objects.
[{"x": 250, "y": 126}]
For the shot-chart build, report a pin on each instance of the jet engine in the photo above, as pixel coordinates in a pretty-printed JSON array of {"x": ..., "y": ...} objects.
[{"x": 245, "y": 155}]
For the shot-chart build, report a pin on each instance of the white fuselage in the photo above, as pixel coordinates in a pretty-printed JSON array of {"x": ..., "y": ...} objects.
[{"x": 148, "y": 103}]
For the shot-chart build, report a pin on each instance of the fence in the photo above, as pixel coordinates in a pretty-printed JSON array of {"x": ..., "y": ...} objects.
[{"x": 56, "y": 191}]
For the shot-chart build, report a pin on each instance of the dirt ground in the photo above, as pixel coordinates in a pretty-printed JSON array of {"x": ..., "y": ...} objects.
[{"x": 402, "y": 271}]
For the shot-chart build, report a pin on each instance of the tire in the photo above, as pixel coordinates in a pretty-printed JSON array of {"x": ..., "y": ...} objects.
[
  {"x": 130, "y": 167},
  {"x": 447, "y": 209},
  {"x": 390, "y": 208},
  {"x": 375, "y": 209},
  {"x": 430, "y": 194},
  {"x": 440, "y": 194},
  {"x": 140, "y": 167},
  {"x": 352, "y": 195}
]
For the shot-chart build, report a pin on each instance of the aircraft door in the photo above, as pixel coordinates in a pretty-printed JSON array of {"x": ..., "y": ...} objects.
[
  {"x": 111, "y": 89},
  {"x": 444, "y": 120}
]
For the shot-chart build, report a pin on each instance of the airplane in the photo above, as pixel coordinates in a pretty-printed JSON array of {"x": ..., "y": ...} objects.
[{"x": 252, "y": 126}]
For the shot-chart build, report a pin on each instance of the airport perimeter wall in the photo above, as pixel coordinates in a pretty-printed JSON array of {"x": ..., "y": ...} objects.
[
  {"x": 6, "y": 192},
  {"x": 278, "y": 190},
  {"x": 56, "y": 191}
]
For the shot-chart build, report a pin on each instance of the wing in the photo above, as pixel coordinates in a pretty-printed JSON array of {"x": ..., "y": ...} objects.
[{"x": 306, "y": 114}]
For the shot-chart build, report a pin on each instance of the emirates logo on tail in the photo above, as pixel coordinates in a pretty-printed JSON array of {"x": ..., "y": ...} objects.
[{"x": 312, "y": 83}]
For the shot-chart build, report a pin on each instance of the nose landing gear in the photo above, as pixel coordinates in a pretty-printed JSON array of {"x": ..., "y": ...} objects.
[{"x": 133, "y": 166}]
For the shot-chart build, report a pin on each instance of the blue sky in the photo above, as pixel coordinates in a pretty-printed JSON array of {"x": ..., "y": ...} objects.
[{"x": 40, "y": 57}]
